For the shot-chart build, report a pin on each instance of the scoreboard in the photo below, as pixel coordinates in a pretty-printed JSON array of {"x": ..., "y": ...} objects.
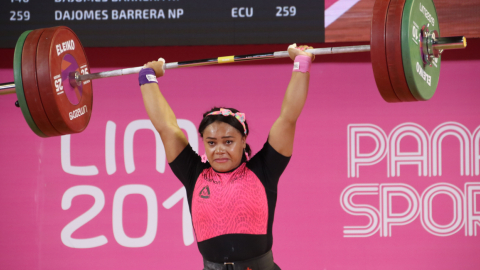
[{"x": 112, "y": 23}]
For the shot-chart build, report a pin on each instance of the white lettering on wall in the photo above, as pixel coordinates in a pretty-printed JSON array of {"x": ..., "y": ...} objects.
[
  {"x": 464, "y": 137},
  {"x": 389, "y": 218},
  {"x": 355, "y": 157},
  {"x": 187, "y": 227},
  {"x": 427, "y": 218},
  {"x": 66, "y": 164},
  {"x": 346, "y": 201},
  {"x": 464, "y": 210},
  {"x": 472, "y": 190},
  {"x": 428, "y": 156},
  {"x": 397, "y": 157},
  {"x": 128, "y": 145},
  {"x": 110, "y": 159},
  {"x": 66, "y": 234},
  {"x": 152, "y": 216}
]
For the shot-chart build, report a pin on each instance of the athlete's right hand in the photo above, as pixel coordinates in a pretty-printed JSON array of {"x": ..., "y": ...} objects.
[{"x": 157, "y": 66}]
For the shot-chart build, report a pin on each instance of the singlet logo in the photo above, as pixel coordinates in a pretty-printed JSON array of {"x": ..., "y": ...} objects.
[{"x": 205, "y": 192}]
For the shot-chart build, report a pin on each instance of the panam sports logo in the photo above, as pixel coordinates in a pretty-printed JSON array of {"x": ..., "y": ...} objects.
[{"x": 428, "y": 158}]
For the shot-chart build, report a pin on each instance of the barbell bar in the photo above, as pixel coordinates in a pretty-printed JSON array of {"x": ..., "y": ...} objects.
[
  {"x": 53, "y": 79},
  {"x": 7, "y": 88},
  {"x": 440, "y": 45},
  {"x": 77, "y": 77},
  {"x": 223, "y": 60}
]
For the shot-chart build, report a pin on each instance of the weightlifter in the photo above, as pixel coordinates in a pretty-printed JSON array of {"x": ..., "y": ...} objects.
[{"x": 232, "y": 197}]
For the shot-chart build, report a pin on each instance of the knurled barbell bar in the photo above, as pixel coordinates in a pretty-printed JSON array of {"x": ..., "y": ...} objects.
[{"x": 53, "y": 79}]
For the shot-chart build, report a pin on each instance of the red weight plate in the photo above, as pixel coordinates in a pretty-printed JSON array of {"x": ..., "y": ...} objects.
[
  {"x": 30, "y": 87},
  {"x": 378, "y": 53},
  {"x": 394, "y": 51},
  {"x": 59, "y": 54}
]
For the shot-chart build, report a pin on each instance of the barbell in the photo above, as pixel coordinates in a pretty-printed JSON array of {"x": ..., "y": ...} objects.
[{"x": 53, "y": 82}]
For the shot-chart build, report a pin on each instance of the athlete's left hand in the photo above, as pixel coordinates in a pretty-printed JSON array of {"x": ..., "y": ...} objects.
[{"x": 293, "y": 51}]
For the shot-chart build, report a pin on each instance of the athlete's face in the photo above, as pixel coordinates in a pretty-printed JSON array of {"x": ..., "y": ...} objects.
[{"x": 224, "y": 146}]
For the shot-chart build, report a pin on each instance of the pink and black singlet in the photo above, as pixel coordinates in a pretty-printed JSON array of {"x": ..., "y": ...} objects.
[{"x": 232, "y": 212}]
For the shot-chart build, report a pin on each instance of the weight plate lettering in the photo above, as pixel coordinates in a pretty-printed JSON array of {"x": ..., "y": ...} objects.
[
  {"x": 422, "y": 79},
  {"x": 60, "y": 53}
]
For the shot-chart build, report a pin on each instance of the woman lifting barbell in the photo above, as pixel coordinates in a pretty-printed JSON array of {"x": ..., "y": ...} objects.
[{"x": 232, "y": 231}]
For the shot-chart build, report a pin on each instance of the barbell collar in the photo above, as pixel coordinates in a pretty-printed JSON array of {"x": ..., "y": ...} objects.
[{"x": 446, "y": 43}]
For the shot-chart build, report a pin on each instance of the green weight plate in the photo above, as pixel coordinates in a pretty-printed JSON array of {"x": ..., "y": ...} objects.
[
  {"x": 17, "y": 71},
  {"x": 422, "y": 79}
]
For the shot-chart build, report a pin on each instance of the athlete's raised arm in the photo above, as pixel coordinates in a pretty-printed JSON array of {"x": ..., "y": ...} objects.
[
  {"x": 159, "y": 111},
  {"x": 283, "y": 130}
]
